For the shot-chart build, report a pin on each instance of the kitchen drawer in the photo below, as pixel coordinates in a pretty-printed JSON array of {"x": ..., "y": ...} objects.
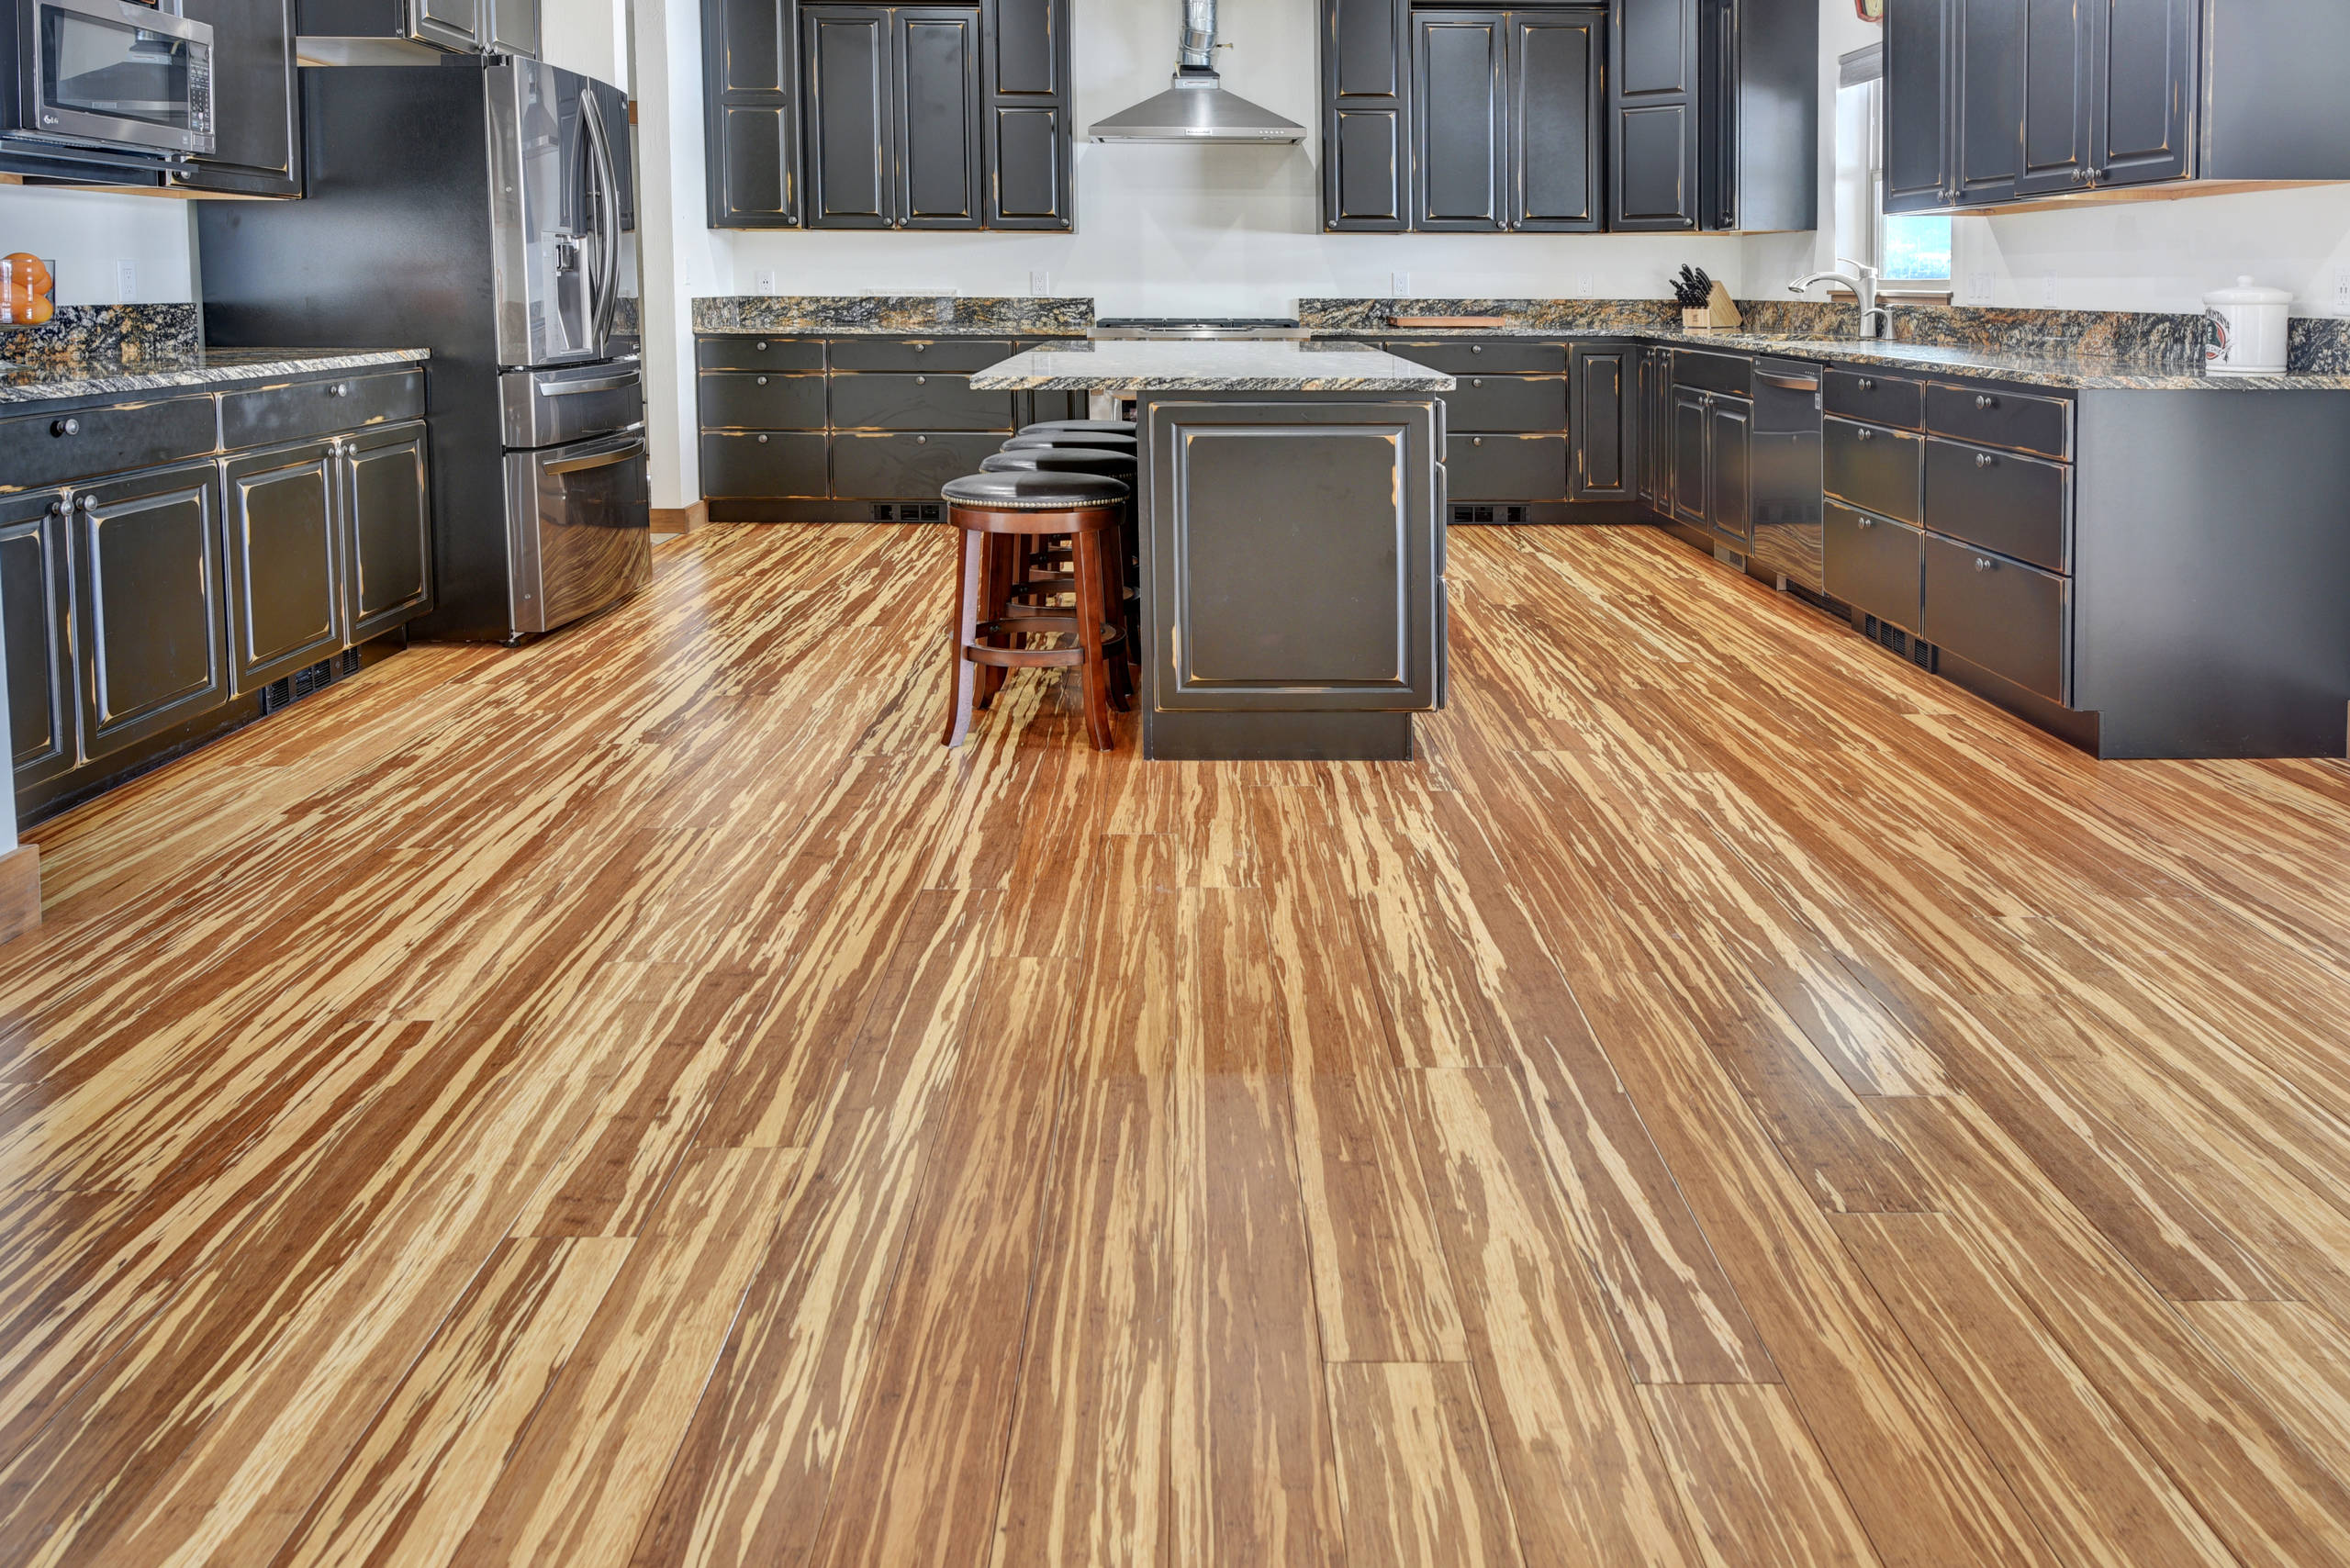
[
  {"x": 1506, "y": 467},
  {"x": 953, "y": 355},
  {"x": 893, "y": 468},
  {"x": 759, "y": 354},
  {"x": 769, "y": 467},
  {"x": 749, "y": 399},
  {"x": 297, "y": 410},
  {"x": 1733, "y": 373},
  {"x": 2013, "y": 619},
  {"x": 52, "y": 449},
  {"x": 919, "y": 402},
  {"x": 1874, "y": 565},
  {"x": 1874, "y": 470},
  {"x": 1506, "y": 403},
  {"x": 1459, "y": 358},
  {"x": 1995, "y": 417},
  {"x": 1882, "y": 400},
  {"x": 2019, "y": 506}
]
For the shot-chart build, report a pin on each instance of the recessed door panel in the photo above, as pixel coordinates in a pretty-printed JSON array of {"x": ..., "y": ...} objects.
[
  {"x": 849, "y": 116},
  {"x": 937, "y": 117},
  {"x": 37, "y": 618},
  {"x": 284, "y": 613},
  {"x": 146, "y": 557},
  {"x": 1460, "y": 120}
]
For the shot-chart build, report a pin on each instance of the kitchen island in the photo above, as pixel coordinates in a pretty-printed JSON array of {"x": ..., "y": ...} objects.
[{"x": 1289, "y": 510}]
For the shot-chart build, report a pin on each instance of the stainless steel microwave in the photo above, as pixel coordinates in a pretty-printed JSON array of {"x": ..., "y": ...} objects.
[{"x": 111, "y": 74}]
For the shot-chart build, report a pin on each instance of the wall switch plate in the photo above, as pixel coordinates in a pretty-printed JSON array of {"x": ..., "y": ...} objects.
[
  {"x": 1399, "y": 285},
  {"x": 763, "y": 280},
  {"x": 1040, "y": 284},
  {"x": 1979, "y": 288},
  {"x": 2342, "y": 291},
  {"x": 126, "y": 281}
]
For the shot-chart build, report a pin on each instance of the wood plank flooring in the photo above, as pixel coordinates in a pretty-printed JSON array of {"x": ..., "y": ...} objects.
[{"x": 640, "y": 1101}]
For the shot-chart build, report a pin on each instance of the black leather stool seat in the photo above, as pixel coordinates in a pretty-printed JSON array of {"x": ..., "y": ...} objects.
[
  {"x": 1090, "y": 427},
  {"x": 1033, "y": 489},
  {"x": 1062, "y": 459},
  {"x": 1099, "y": 441}
]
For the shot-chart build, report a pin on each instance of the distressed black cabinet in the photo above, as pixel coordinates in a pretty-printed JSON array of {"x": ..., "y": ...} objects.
[
  {"x": 1653, "y": 155},
  {"x": 1507, "y": 129},
  {"x": 37, "y": 617},
  {"x": 283, "y": 599},
  {"x": 1604, "y": 381},
  {"x": 1459, "y": 127},
  {"x": 152, "y": 636},
  {"x": 1986, "y": 92},
  {"x": 385, "y": 529},
  {"x": 1918, "y": 144},
  {"x": 888, "y": 117},
  {"x": 456, "y": 24},
  {"x": 2144, "y": 59},
  {"x": 257, "y": 127},
  {"x": 1366, "y": 101},
  {"x": 1711, "y": 435}
]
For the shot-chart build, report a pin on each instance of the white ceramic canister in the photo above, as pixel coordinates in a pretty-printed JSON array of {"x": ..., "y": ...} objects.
[{"x": 2249, "y": 326}]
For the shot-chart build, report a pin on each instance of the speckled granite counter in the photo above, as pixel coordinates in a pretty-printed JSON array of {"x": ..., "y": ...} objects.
[
  {"x": 1189, "y": 367},
  {"x": 22, "y": 385},
  {"x": 896, "y": 316}
]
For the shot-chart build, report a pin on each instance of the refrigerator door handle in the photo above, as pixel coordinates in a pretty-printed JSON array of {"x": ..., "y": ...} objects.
[
  {"x": 633, "y": 450},
  {"x": 608, "y": 216}
]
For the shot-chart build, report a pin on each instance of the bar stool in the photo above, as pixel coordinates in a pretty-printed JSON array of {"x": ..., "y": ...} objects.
[
  {"x": 995, "y": 510},
  {"x": 1042, "y": 572},
  {"x": 1099, "y": 440},
  {"x": 1090, "y": 427}
]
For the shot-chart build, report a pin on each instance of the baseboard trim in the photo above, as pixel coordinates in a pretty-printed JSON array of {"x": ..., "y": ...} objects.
[
  {"x": 673, "y": 521},
  {"x": 19, "y": 892}
]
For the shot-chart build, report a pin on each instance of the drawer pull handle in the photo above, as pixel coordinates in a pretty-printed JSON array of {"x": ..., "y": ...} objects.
[
  {"x": 922, "y": 380},
  {"x": 763, "y": 381},
  {"x": 1476, "y": 348},
  {"x": 340, "y": 389},
  {"x": 921, "y": 441},
  {"x": 1868, "y": 522},
  {"x": 66, "y": 426},
  {"x": 921, "y": 348},
  {"x": 763, "y": 348},
  {"x": 1985, "y": 400},
  {"x": 1476, "y": 381},
  {"x": 57, "y": 507},
  {"x": 1476, "y": 440},
  {"x": 86, "y": 504},
  {"x": 763, "y": 441},
  {"x": 1868, "y": 383},
  {"x": 1865, "y": 435},
  {"x": 1982, "y": 562},
  {"x": 1983, "y": 460}
]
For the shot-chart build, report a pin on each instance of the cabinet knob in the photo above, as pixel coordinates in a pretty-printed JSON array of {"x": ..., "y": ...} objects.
[
  {"x": 1985, "y": 400},
  {"x": 763, "y": 441},
  {"x": 922, "y": 380},
  {"x": 1982, "y": 562},
  {"x": 1476, "y": 440},
  {"x": 66, "y": 426},
  {"x": 1476, "y": 381},
  {"x": 921, "y": 348},
  {"x": 763, "y": 348},
  {"x": 1983, "y": 460},
  {"x": 1868, "y": 383},
  {"x": 1864, "y": 434},
  {"x": 57, "y": 507},
  {"x": 1868, "y": 522},
  {"x": 86, "y": 504},
  {"x": 921, "y": 441},
  {"x": 340, "y": 389},
  {"x": 763, "y": 381}
]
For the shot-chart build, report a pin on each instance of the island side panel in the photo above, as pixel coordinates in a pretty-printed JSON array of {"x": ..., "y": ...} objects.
[{"x": 1293, "y": 573}]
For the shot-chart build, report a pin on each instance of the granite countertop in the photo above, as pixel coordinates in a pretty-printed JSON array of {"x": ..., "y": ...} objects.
[
  {"x": 165, "y": 372},
  {"x": 894, "y": 316},
  {"x": 1189, "y": 366},
  {"x": 2073, "y": 372}
]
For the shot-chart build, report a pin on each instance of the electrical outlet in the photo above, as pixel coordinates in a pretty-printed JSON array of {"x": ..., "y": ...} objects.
[
  {"x": 126, "y": 281},
  {"x": 2048, "y": 293},
  {"x": 763, "y": 281},
  {"x": 1586, "y": 286},
  {"x": 1040, "y": 284},
  {"x": 2342, "y": 291},
  {"x": 1979, "y": 288},
  {"x": 1399, "y": 285}
]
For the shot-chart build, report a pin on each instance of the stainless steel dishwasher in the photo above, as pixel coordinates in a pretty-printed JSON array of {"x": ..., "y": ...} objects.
[{"x": 1785, "y": 471}]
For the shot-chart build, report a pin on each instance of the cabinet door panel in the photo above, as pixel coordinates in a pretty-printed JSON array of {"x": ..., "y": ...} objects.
[
  {"x": 2144, "y": 70},
  {"x": 283, "y": 609},
  {"x": 1031, "y": 186},
  {"x": 1028, "y": 47},
  {"x": 751, "y": 78},
  {"x": 937, "y": 131},
  {"x": 751, "y": 183},
  {"x": 1656, "y": 49},
  {"x": 1728, "y": 493},
  {"x": 146, "y": 554},
  {"x": 1687, "y": 433},
  {"x": 743, "y": 400},
  {"x": 1457, "y": 119},
  {"x": 1554, "y": 139},
  {"x": 1988, "y": 88},
  {"x": 2056, "y": 109},
  {"x": 452, "y": 24},
  {"x": 1506, "y": 467},
  {"x": 1874, "y": 565},
  {"x": 1506, "y": 403},
  {"x": 849, "y": 116},
  {"x": 1366, "y": 90},
  {"x": 36, "y": 617},
  {"x": 1655, "y": 157},
  {"x": 1874, "y": 470},
  {"x": 2013, "y": 619},
  {"x": 513, "y": 27},
  {"x": 256, "y": 128},
  {"x": 783, "y": 466},
  {"x": 1605, "y": 424},
  {"x": 917, "y": 403},
  {"x": 387, "y": 531},
  {"x": 895, "y": 467},
  {"x": 1917, "y": 117}
]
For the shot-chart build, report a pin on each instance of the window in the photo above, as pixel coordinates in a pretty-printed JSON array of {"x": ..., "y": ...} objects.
[{"x": 1912, "y": 254}]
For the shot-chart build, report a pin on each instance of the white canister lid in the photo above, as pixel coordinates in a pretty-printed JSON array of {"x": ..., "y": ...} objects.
[{"x": 2247, "y": 292}]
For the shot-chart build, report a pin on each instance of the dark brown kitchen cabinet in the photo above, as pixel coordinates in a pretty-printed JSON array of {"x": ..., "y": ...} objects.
[
  {"x": 2054, "y": 103},
  {"x": 888, "y": 117},
  {"x": 1604, "y": 387},
  {"x": 1459, "y": 124},
  {"x": 1507, "y": 130},
  {"x": 37, "y": 618},
  {"x": 2143, "y": 55},
  {"x": 152, "y": 636},
  {"x": 892, "y": 96},
  {"x": 257, "y": 128},
  {"x": 1712, "y": 437},
  {"x": 285, "y": 601},
  {"x": 1653, "y": 153},
  {"x": 1986, "y": 90},
  {"x": 2012, "y": 620},
  {"x": 1367, "y": 72},
  {"x": 383, "y": 498},
  {"x": 1687, "y": 483},
  {"x": 1918, "y": 149},
  {"x": 1557, "y": 126}
]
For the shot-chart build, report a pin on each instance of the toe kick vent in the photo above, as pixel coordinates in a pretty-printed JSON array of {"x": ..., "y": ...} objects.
[
  {"x": 1893, "y": 640},
  {"x": 289, "y": 689}
]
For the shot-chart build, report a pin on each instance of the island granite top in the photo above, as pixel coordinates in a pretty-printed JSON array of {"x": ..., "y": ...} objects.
[
  {"x": 1151, "y": 366},
  {"x": 29, "y": 384}
]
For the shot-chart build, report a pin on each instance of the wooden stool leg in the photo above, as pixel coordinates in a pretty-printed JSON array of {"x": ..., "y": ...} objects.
[
  {"x": 1088, "y": 636},
  {"x": 1113, "y": 578},
  {"x": 962, "y": 684},
  {"x": 997, "y": 574}
]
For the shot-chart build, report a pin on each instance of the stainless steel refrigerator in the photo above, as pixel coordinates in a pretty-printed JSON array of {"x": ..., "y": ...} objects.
[{"x": 484, "y": 210}]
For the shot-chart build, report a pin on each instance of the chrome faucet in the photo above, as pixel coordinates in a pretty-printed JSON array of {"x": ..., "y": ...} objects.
[{"x": 1875, "y": 320}]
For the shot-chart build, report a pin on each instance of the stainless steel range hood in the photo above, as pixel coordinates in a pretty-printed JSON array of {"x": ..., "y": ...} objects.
[{"x": 1197, "y": 108}]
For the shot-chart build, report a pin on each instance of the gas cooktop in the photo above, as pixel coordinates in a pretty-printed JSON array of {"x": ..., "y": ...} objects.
[{"x": 1198, "y": 326}]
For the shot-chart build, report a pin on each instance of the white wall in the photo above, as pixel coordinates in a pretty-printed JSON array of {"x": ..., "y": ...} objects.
[
  {"x": 2158, "y": 255},
  {"x": 1228, "y": 231},
  {"x": 586, "y": 36},
  {"x": 90, "y": 232}
]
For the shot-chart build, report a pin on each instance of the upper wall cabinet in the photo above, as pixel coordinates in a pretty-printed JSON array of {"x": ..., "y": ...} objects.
[
  {"x": 2003, "y": 102},
  {"x": 888, "y": 117},
  {"x": 1643, "y": 115},
  {"x": 256, "y": 129}
]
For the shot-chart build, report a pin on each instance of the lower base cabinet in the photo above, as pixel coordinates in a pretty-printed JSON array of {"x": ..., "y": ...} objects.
[
  {"x": 386, "y": 529},
  {"x": 1873, "y": 565},
  {"x": 2013, "y": 619},
  {"x": 154, "y": 618},
  {"x": 281, "y": 532},
  {"x": 37, "y": 616}
]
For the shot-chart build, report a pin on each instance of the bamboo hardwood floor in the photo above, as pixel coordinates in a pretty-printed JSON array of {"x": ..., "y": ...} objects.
[{"x": 639, "y": 1101}]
